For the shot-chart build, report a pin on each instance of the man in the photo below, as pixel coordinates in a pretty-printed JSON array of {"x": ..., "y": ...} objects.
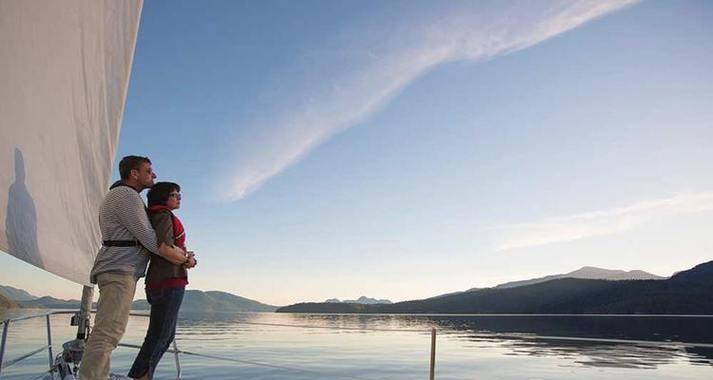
[{"x": 127, "y": 235}]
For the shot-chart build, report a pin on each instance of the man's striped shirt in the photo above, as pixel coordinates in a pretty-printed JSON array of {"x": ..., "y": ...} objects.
[{"x": 122, "y": 216}]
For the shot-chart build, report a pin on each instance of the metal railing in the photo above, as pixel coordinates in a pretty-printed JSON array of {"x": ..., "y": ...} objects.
[
  {"x": 3, "y": 342},
  {"x": 176, "y": 351}
]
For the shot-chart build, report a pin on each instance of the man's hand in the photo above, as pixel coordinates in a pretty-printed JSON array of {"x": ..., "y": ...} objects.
[{"x": 192, "y": 262}]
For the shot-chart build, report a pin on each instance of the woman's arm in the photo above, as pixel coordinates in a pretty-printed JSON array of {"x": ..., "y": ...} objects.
[{"x": 163, "y": 225}]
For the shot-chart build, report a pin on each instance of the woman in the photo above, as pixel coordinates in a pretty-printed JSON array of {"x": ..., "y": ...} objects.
[{"x": 165, "y": 282}]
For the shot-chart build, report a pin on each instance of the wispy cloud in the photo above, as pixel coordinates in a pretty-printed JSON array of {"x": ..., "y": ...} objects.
[
  {"x": 597, "y": 223},
  {"x": 344, "y": 83}
]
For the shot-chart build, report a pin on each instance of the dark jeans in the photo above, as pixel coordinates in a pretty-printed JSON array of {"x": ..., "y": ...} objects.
[{"x": 165, "y": 303}]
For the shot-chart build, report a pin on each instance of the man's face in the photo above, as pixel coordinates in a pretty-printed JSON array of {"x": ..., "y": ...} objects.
[{"x": 145, "y": 175}]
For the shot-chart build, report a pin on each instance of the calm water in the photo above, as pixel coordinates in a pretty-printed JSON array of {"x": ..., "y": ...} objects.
[{"x": 492, "y": 347}]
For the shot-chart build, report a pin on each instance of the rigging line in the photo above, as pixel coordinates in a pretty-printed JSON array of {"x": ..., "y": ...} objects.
[
  {"x": 25, "y": 317},
  {"x": 335, "y": 328},
  {"x": 8, "y": 363},
  {"x": 242, "y": 361}
]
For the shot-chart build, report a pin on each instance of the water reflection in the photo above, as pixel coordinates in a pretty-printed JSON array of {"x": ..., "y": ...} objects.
[
  {"x": 519, "y": 335},
  {"x": 397, "y": 346},
  {"x": 600, "y": 355}
]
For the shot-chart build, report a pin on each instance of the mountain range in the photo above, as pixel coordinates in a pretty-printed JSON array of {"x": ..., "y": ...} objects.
[
  {"x": 193, "y": 300},
  {"x": 587, "y": 272},
  {"x": 687, "y": 292},
  {"x": 586, "y": 290},
  {"x": 362, "y": 300},
  {"x": 213, "y": 301},
  {"x": 15, "y": 294},
  {"x": 592, "y": 273}
]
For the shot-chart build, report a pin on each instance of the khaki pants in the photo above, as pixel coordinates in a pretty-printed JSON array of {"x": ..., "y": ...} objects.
[{"x": 116, "y": 293}]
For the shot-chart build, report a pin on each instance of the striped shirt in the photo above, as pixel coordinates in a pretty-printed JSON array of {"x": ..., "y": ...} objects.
[{"x": 122, "y": 216}]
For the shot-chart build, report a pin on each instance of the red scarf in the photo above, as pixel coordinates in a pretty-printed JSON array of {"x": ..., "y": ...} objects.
[{"x": 179, "y": 234}]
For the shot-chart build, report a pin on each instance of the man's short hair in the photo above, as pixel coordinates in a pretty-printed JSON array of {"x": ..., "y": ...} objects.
[
  {"x": 129, "y": 163},
  {"x": 159, "y": 192}
]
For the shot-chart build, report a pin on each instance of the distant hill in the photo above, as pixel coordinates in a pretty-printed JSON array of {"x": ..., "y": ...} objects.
[
  {"x": 458, "y": 292},
  {"x": 701, "y": 274},
  {"x": 194, "y": 300},
  {"x": 362, "y": 300},
  {"x": 591, "y": 273},
  {"x": 212, "y": 301},
  {"x": 15, "y": 294},
  {"x": 48, "y": 302},
  {"x": 329, "y": 307},
  {"x": 6, "y": 303},
  {"x": 687, "y": 292}
]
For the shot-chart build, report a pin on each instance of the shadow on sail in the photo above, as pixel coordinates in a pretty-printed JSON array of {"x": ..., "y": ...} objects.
[{"x": 21, "y": 220}]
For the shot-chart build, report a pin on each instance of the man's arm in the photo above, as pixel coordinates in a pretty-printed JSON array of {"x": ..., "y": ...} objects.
[
  {"x": 173, "y": 254},
  {"x": 132, "y": 215}
]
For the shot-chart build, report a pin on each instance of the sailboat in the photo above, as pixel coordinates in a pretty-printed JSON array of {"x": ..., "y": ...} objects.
[{"x": 64, "y": 75}]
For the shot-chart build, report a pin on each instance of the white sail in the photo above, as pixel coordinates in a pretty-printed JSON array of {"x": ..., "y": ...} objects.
[{"x": 64, "y": 70}]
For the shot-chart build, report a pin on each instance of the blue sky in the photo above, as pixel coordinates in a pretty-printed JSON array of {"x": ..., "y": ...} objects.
[{"x": 402, "y": 150}]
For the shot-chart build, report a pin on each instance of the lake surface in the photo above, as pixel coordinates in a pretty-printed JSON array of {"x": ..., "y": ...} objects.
[{"x": 318, "y": 346}]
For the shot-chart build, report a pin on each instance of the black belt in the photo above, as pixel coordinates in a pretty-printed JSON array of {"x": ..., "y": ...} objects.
[{"x": 120, "y": 243}]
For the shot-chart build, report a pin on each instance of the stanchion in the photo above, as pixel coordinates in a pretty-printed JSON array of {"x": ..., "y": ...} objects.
[
  {"x": 3, "y": 341},
  {"x": 49, "y": 342},
  {"x": 433, "y": 354}
]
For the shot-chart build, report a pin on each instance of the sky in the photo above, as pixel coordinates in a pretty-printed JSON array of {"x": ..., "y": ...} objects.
[{"x": 405, "y": 149}]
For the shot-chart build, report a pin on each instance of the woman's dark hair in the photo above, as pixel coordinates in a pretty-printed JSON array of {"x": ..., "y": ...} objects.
[{"x": 158, "y": 193}]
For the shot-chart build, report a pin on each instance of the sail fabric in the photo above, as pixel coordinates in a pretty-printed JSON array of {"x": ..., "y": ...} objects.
[{"x": 64, "y": 73}]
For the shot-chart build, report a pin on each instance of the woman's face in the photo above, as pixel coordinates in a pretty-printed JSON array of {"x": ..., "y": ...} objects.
[{"x": 174, "y": 200}]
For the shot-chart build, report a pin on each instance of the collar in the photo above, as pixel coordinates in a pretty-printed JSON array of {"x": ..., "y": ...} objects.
[
  {"x": 159, "y": 208},
  {"x": 121, "y": 183}
]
